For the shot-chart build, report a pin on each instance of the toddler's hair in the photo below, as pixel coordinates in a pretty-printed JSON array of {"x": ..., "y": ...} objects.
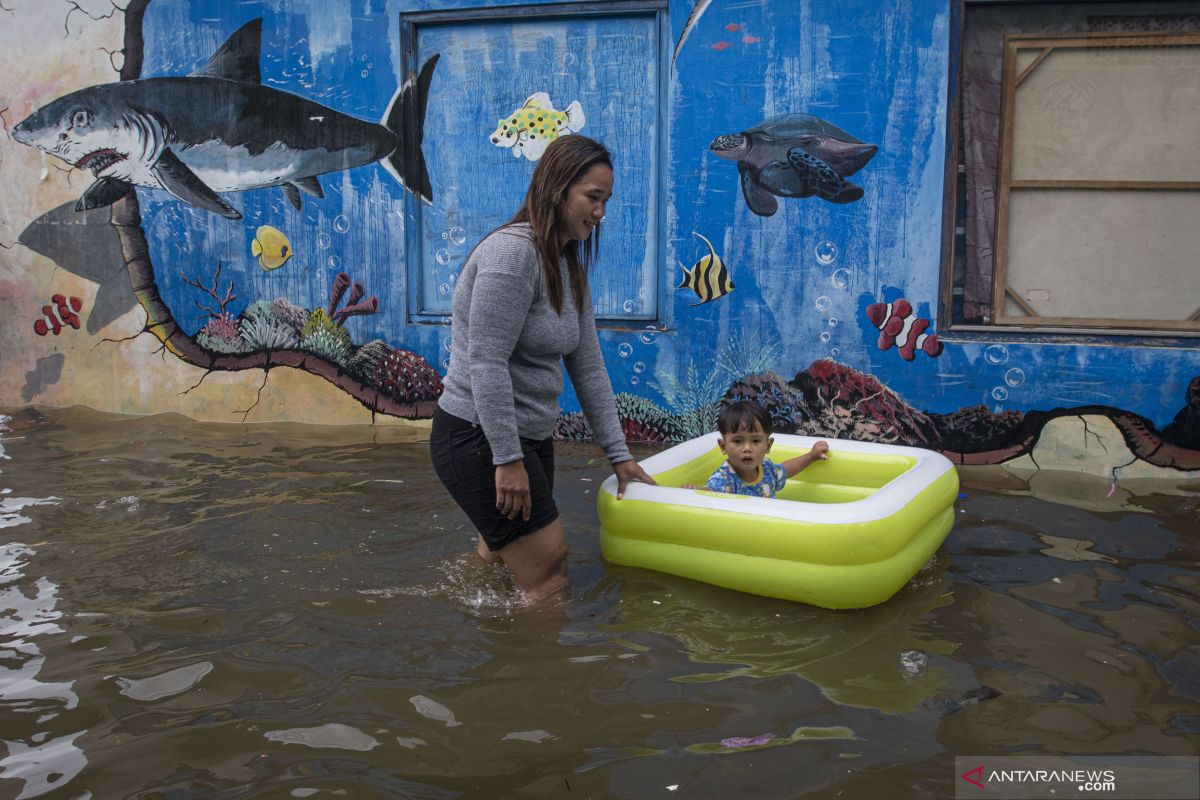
[{"x": 743, "y": 415}]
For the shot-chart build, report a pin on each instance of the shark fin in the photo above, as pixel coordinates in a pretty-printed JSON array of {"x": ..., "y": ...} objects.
[
  {"x": 405, "y": 117},
  {"x": 104, "y": 192},
  {"x": 292, "y": 194},
  {"x": 180, "y": 181},
  {"x": 310, "y": 186},
  {"x": 237, "y": 59}
]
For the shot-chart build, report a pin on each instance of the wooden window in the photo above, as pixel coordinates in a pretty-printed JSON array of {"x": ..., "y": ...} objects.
[
  {"x": 609, "y": 58},
  {"x": 1098, "y": 182}
]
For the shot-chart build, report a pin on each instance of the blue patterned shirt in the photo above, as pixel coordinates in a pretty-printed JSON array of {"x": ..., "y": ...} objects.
[{"x": 771, "y": 479}]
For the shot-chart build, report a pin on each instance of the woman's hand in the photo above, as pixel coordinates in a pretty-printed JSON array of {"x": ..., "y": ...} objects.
[
  {"x": 512, "y": 490},
  {"x": 630, "y": 471}
]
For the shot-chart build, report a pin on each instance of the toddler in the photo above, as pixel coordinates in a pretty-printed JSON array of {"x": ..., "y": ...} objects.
[{"x": 745, "y": 428}]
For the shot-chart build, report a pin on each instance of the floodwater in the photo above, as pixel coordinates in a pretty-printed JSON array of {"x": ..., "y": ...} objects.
[{"x": 206, "y": 611}]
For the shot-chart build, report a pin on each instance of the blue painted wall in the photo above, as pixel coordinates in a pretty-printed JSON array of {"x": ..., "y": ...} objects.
[{"x": 804, "y": 277}]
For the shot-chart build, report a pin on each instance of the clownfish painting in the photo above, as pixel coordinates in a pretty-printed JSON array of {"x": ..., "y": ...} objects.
[
  {"x": 898, "y": 326},
  {"x": 709, "y": 278},
  {"x": 59, "y": 314}
]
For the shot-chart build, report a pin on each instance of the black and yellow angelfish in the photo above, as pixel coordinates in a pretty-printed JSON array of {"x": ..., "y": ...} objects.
[{"x": 709, "y": 278}]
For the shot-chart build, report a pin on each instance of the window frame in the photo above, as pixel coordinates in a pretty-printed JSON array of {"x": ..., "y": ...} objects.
[
  {"x": 1006, "y": 183},
  {"x": 410, "y": 25},
  {"x": 1019, "y": 328}
]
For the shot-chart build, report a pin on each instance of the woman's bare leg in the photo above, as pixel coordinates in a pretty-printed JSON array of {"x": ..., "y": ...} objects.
[
  {"x": 538, "y": 561},
  {"x": 485, "y": 553}
]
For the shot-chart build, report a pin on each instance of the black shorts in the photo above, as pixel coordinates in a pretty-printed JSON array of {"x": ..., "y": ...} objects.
[{"x": 462, "y": 460}]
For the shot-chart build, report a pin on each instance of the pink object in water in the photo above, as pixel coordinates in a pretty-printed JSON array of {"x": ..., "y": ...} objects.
[{"x": 747, "y": 741}]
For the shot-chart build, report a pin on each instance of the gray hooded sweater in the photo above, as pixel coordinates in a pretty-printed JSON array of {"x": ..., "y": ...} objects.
[{"x": 507, "y": 344}]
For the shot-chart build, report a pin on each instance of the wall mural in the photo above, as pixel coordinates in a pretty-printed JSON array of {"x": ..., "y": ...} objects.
[
  {"x": 271, "y": 247},
  {"x": 530, "y": 129},
  {"x": 794, "y": 155},
  {"x": 899, "y": 326},
  {"x": 220, "y": 130},
  {"x": 58, "y": 314},
  {"x": 158, "y": 133},
  {"x": 708, "y": 277}
]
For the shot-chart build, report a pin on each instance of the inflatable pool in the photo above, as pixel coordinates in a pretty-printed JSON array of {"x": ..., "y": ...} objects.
[{"x": 848, "y": 532}]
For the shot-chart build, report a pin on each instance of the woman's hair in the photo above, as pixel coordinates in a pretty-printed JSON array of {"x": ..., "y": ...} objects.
[
  {"x": 744, "y": 415},
  {"x": 564, "y": 163}
]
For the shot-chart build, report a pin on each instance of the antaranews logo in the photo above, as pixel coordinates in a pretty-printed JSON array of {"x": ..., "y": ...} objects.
[
  {"x": 977, "y": 780},
  {"x": 1039, "y": 777}
]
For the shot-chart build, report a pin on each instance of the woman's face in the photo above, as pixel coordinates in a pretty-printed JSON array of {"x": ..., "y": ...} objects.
[{"x": 584, "y": 206}]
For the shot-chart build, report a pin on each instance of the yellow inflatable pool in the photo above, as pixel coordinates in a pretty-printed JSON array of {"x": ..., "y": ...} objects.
[{"x": 847, "y": 532}]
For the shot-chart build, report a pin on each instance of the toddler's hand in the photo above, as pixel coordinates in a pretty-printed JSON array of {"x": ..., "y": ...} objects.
[{"x": 819, "y": 451}]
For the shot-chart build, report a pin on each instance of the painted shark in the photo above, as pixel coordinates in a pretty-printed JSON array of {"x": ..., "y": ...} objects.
[{"x": 220, "y": 130}]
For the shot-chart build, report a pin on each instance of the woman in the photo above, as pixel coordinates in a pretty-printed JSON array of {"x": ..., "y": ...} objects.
[{"x": 521, "y": 309}]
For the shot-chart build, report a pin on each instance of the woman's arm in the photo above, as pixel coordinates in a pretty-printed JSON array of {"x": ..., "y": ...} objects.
[
  {"x": 501, "y": 296},
  {"x": 585, "y": 366}
]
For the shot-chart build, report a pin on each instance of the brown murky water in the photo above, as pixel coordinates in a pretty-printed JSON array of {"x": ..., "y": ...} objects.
[{"x": 203, "y": 611}]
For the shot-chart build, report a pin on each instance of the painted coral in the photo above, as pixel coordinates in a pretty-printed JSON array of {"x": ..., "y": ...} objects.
[
  {"x": 220, "y": 335},
  {"x": 323, "y": 336},
  {"x": 406, "y": 377}
]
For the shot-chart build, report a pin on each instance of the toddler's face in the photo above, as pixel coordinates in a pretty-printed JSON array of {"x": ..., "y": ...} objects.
[{"x": 746, "y": 449}]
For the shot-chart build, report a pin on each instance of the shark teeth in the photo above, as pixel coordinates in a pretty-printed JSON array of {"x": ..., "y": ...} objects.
[{"x": 99, "y": 160}]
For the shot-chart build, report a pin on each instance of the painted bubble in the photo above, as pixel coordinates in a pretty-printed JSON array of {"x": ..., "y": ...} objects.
[
  {"x": 826, "y": 252},
  {"x": 826, "y": 336},
  {"x": 639, "y": 367},
  {"x": 457, "y": 235},
  {"x": 335, "y": 262},
  {"x": 324, "y": 240},
  {"x": 1000, "y": 393},
  {"x": 823, "y": 303},
  {"x": 648, "y": 336},
  {"x": 624, "y": 350},
  {"x": 628, "y": 306},
  {"x": 444, "y": 289},
  {"x": 835, "y": 352},
  {"x": 1015, "y": 376},
  {"x": 442, "y": 256},
  {"x": 840, "y": 278},
  {"x": 445, "y": 363},
  {"x": 448, "y": 343},
  {"x": 833, "y": 322},
  {"x": 634, "y": 380},
  {"x": 996, "y": 354},
  {"x": 364, "y": 73},
  {"x": 341, "y": 223}
]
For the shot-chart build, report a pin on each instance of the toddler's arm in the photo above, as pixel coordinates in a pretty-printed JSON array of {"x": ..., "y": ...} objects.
[
  {"x": 714, "y": 484},
  {"x": 795, "y": 465}
]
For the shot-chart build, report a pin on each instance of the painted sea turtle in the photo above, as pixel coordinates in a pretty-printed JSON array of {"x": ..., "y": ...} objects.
[{"x": 794, "y": 155}]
